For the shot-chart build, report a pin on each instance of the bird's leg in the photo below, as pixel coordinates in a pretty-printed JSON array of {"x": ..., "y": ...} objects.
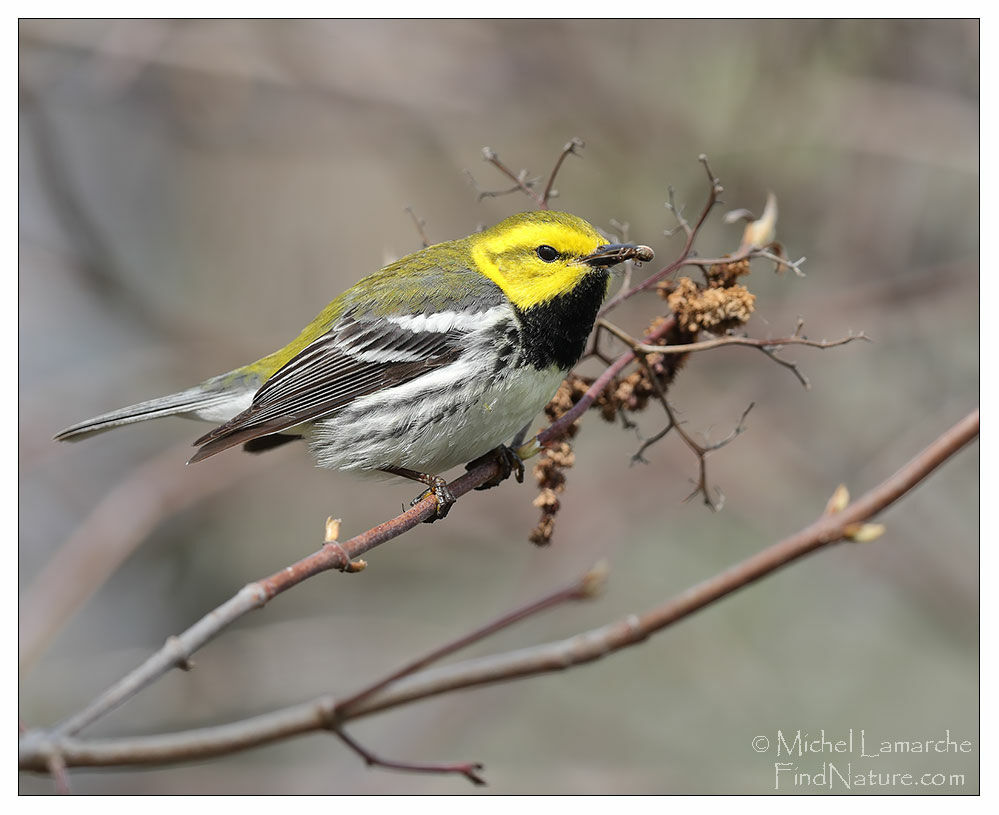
[
  {"x": 509, "y": 463},
  {"x": 438, "y": 488}
]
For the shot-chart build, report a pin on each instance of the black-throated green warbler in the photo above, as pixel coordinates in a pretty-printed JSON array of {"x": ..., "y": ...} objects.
[{"x": 429, "y": 363}]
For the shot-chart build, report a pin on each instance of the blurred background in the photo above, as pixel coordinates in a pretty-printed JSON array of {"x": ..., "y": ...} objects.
[{"x": 192, "y": 193}]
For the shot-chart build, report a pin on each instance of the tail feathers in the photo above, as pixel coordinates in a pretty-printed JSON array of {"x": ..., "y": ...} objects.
[{"x": 197, "y": 401}]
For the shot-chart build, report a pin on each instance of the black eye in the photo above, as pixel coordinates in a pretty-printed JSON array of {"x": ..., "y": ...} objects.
[{"x": 547, "y": 253}]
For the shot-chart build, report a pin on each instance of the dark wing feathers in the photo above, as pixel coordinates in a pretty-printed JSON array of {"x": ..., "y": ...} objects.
[{"x": 354, "y": 359}]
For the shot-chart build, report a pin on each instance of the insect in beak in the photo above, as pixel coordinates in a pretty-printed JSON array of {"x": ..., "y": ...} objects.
[{"x": 613, "y": 253}]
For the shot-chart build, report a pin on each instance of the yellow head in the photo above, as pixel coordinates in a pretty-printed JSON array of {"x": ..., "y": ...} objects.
[{"x": 536, "y": 256}]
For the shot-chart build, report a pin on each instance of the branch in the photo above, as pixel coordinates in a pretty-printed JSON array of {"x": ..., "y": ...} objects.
[
  {"x": 37, "y": 749},
  {"x": 178, "y": 650},
  {"x": 586, "y": 587}
]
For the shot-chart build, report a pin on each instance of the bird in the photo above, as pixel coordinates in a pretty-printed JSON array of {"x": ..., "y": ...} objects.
[{"x": 434, "y": 361}]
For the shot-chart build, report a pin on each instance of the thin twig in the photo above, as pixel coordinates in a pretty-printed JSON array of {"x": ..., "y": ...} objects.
[
  {"x": 520, "y": 179},
  {"x": 770, "y": 347},
  {"x": 700, "y": 451},
  {"x": 468, "y": 769},
  {"x": 420, "y": 224},
  {"x": 715, "y": 191},
  {"x": 57, "y": 771},
  {"x": 570, "y": 148},
  {"x": 522, "y": 182},
  {"x": 583, "y": 588},
  {"x": 594, "y": 349},
  {"x": 677, "y": 211},
  {"x": 482, "y": 193},
  {"x": 793, "y": 265},
  {"x": 717, "y": 342}
]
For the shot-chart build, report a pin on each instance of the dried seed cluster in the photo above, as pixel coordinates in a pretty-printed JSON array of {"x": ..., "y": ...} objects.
[
  {"x": 717, "y": 305},
  {"x": 549, "y": 471},
  {"x": 550, "y": 475},
  {"x": 697, "y": 308},
  {"x": 723, "y": 275}
]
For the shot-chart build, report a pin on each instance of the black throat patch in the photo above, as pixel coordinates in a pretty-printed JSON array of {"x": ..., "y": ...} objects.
[{"x": 555, "y": 333}]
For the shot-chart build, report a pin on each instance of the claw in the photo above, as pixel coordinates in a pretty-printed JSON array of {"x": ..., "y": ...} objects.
[
  {"x": 509, "y": 461},
  {"x": 437, "y": 487},
  {"x": 445, "y": 498}
]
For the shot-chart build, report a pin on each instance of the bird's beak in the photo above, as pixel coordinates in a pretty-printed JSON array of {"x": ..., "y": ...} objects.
[{"x": 613, "y": 253}]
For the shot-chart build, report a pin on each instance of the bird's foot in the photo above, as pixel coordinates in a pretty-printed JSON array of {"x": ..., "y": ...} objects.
[
  {"x": 437, "y": 487},
  {"x": 440, "y": 490},
  {"x": 510, "y": 464}
]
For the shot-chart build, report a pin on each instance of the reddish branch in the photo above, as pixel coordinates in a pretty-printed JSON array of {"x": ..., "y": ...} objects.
[
  {"x": 339, "y": 556},
  {"x": 39, "y": 750}
]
